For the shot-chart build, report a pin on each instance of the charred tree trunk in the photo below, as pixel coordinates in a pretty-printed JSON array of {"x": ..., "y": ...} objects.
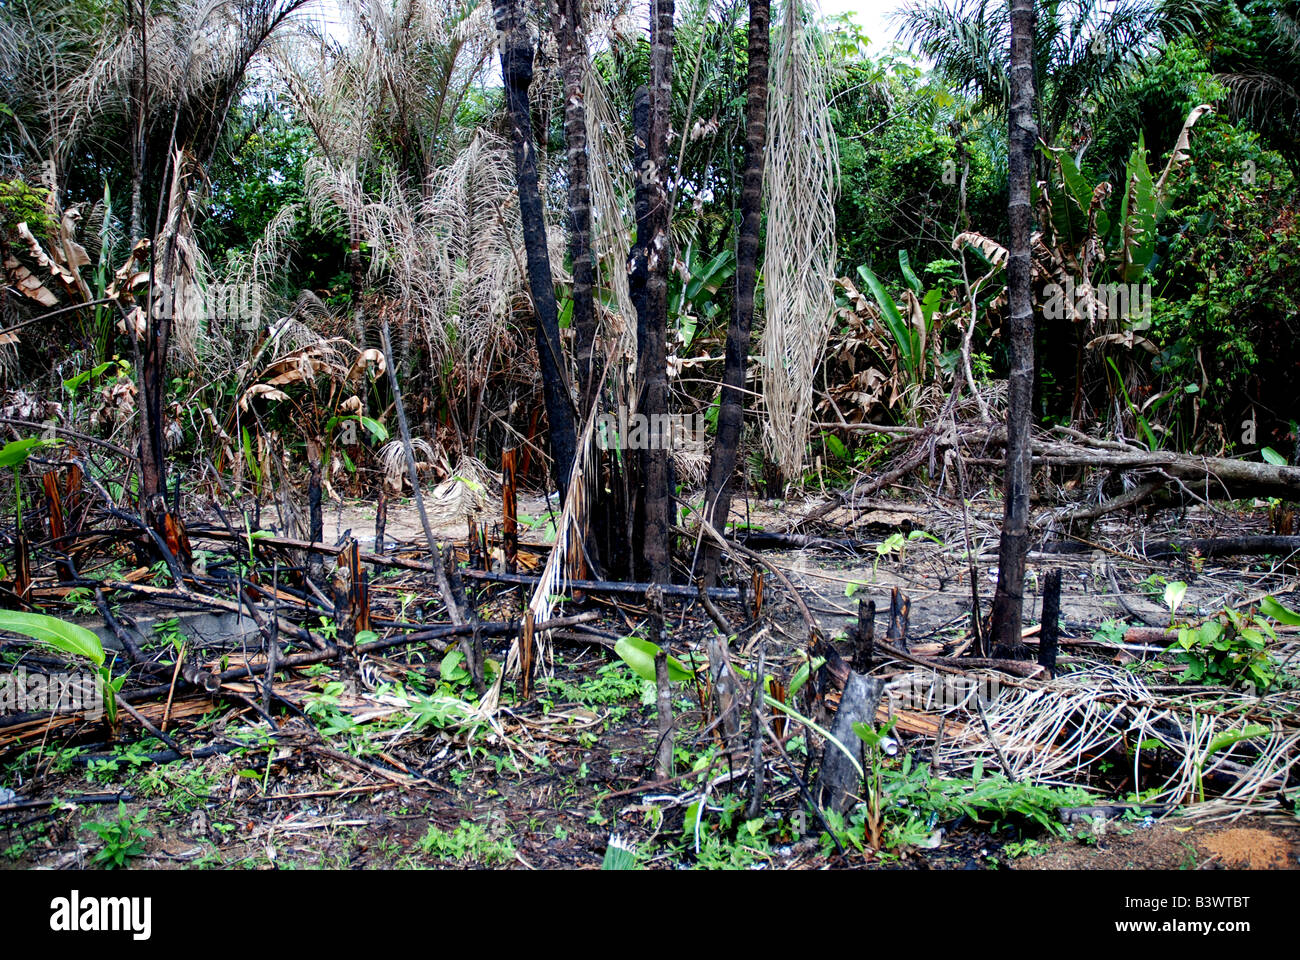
[
  {"x": 517, "y": 71},
  {"x": 153, "y": 381},
  {"x": 636, "y": 261},
  {"x": 636, "y": 282},
  {"x": 731, "y": 412},
  {"x": 652, "y": 357},
  {"x": 1049, "y": 638},
  {"x": 601, "y": 538},
  {"x": 573, "y": 63},
  {"x": 1009, "y": 599}
]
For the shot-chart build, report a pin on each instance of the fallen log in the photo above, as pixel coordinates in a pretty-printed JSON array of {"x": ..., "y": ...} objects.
[
  {"x": 1209, "y": 477},
  {"x": 1214, "y": 477},
  {"x": 245, "y": 671},
  {"x": 263, "y": 539},
  {"x": 606, "y": 586},
  {"x": 960, "y": 665},
  {"x": 1224, "y": 547},
  {"x": 1154, "y": 636}
]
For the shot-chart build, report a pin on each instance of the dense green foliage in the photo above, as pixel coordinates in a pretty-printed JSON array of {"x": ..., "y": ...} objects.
[{"x": 922, "y": 156}]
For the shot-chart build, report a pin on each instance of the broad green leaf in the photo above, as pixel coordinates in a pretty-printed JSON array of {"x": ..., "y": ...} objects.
[
  {"x": 16, "y": 452},
  {"x": 801, "y": 676},
  {"x": 1230, "y": 737},
  {"x": 249, "y": 459},
  {"x": 892, "y": 543},
  {"x": 899, "y": 328},
  {"x": 1272, "y": 456},
  {"x": 931, "y": 302},
  {"x": 1271, "y": 608},
  {"x": 64, "y": 636},
  {"x": 1137, "y": 215},
  {"x": 451, "y": 669},
  {"x": 72, "y": 383},
  {"x": 377, "y": 429},
  {"x": 1254, "y": 638},
  {"x": 713, "y": 276},
  {"x": 905, "y": 264},
  {"x": 1081, "y": 190},
  {"x": 639, "y": 654}
]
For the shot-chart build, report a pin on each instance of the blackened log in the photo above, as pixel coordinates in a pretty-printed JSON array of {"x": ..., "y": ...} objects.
[
  {"x": 839, "y": 784},
  {"x": 1051, "y": 633}
]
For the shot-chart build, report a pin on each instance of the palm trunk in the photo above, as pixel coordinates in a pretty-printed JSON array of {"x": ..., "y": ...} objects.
[
  {"x": 517, "y": 71},
  {"x": 140, "y": 86},
  {"x": 652, "y": 360},
  {"x": 1008, "y": 601},
  {"x": 636, "y": 288},
  {"x": 573, "y": 63},
  {"x": 731, "y": 413}
]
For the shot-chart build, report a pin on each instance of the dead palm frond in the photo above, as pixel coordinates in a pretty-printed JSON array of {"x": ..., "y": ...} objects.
[
  {"x": 802, "y": 169},
  {"x": 1057, "y": 732},
  {"x": 392, "y": 462},
  {"x": 532, "y": 648},
  {"x": 610, "y": 170}
]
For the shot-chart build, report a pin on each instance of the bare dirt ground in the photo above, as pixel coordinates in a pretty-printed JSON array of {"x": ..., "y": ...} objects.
[{"x": 347, "y": 785}]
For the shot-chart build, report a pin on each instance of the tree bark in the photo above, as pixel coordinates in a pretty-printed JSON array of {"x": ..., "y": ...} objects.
[
  {"x": 731, "y": 413},
  {"x": 652, "y": 361},
  {"x": 636, "y": 285},
  {"x": 839, "y": 783},
  {"x": 1049, "y": 638},
  {"x": 517, "y": 72},
  {"x": 1008, "y": 601},
  {"x": 573, "y": 63},
  {"x": 140, "y": 86}
]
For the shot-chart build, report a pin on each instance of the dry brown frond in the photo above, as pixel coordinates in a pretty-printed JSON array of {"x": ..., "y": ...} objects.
[{"x": 801, "y": 172}]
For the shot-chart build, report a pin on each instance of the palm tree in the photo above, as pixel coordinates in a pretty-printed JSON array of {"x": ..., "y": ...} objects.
[
  {"x": 573, "y": 63},
  {"x": 1081, "y": 48},
  {"x": 1023, "y": 140},
  {"x": 162, "y": 77},
  {"x": 517, "y": 71},
  {"x": 656, "y": 248},
  {"x": 731, "y": 414}
]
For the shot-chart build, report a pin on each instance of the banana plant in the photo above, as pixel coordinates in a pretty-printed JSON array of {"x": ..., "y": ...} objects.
[
  {"x": 13, "y": 455},
  {"x": 696, "y": 294},
  {"x": 909, "y": 332}
]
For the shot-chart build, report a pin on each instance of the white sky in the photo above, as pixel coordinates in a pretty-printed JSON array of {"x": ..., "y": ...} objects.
[{"x": 872, "y": 14}]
